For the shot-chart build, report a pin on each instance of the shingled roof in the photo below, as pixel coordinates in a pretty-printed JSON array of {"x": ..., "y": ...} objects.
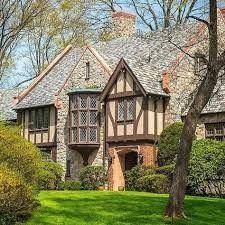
[
  {"x": 7, "y": 104},
  {"x": 150, "y": 55},
  {"x": 147, "y": 56},
  {"x": 43, "y": 93}
]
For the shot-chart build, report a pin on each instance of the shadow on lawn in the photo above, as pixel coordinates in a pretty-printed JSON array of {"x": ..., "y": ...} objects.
[{"x": 119, "y": 208}]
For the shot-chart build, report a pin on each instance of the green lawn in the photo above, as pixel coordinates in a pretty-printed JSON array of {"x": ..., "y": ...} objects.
[{"x": 120, "y": 208}]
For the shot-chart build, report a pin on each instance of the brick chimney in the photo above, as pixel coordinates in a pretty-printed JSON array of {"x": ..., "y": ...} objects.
[
  {"x": 166, "y": 82},
  {"x": 123, "y": 24}
]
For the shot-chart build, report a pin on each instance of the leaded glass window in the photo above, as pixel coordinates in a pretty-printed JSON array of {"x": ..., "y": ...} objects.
[
  {"x": 126, "y": 109},
  {"x": 84, "y": 119},
  {"x": 83, "y": 102},
  {"x": 130, "y": 109},
  {"x": 93, "y": 134},
  {"x": 83, "y": 134},
  {"x": 93, "y": 118},
  {"x": 121, "y": 110}
]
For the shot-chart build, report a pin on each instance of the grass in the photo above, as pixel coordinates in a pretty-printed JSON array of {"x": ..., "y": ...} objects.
[{"x": 121, "y": 208}]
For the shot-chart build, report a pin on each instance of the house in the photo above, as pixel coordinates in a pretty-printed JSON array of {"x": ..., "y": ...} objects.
[
  {"x": 106, "y": 104},
  {"x": 7, "y": 104}
]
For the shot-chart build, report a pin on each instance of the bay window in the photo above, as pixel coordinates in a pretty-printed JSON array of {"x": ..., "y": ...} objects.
[{"x": 84, "y": 118}]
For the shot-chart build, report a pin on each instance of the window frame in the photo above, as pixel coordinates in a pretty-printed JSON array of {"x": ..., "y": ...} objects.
[
  {"x": 211, "y": 131},
  {"x": 34, "y": 118},
  {"x": 126, "y": 111},
  {"x": 87, "y": 72},
  {"x": 78, "y": 126}
]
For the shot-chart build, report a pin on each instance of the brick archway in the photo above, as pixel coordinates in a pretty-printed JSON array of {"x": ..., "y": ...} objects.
[
  {"x": 122, "y": 155},
  {"x": 146, "y": 155}
]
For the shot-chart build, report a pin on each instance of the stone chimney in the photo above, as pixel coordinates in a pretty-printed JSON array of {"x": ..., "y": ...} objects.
[{"x": 123, "y": 24}]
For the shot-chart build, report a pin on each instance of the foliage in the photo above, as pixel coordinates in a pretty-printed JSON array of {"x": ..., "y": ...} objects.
[
  {"x": 207, "y": 168},
  {"x": 167, "y": 171},
  {"x": 130, "y": 208},
  {"x": 92, "y": 177},
  {"x": 169, "y": 143},
  {"x": 19, "y": 154},
  {"x": 156, "y": 183},
  {"x": 16, "y": 196},
  {"x": 73, "y": 185},
  {"x": 50, "y": 175},
  {"x": 134, "y": 174}
]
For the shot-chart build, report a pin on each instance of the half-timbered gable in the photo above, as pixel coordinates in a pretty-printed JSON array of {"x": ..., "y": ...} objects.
[{"x": 131, "y": 113}]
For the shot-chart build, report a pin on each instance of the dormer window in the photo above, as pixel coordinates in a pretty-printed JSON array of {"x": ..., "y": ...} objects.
[
  {"x": 87, "y": 70},
  {"x": 84, "y": 124}
]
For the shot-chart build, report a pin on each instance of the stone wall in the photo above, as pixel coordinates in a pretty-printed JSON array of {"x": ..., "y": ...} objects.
[
  {"x": 123, "y": 24},
  {"x": 182, "y": 78},
  {"x": 98, "y": 79}
]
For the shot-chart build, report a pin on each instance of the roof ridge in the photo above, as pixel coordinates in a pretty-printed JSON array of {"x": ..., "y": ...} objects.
[{"x": 23, "y": 94}]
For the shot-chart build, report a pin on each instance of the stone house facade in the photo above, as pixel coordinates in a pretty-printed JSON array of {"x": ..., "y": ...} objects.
[{"x": 106, "y": 104}]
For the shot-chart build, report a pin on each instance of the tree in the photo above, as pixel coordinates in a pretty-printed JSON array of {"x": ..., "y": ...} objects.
[
  {"x": 15, "y": 16},
  {"x": 64, "y": 23},
  {"x": 159, "y": 14},
  {"x": 214, "y": 64}
]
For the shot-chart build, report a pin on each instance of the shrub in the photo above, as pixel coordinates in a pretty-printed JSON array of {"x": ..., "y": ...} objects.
[
  {"x": 73, "y": 185},
  {"x": 207, "y": 168},
  {"x": 16, "y": 196},
  {"x": 169, "y": 143},
  {"x": 50, "y": 175},
  {"x": 92, "y": 177},
  {"x": 157, "y": 183},
  {"x": 167, "y": 171},
  {"x": 131, "y": 176},
  {"x": 19, "y": 154}
]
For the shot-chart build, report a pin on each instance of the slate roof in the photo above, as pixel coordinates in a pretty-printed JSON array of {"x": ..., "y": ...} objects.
[
  {"x": 217, "y": 102},
  {"x": 6, "y": 104},
  {"x": 148, "y": 56},
  {"x": 43, "y": 93}
]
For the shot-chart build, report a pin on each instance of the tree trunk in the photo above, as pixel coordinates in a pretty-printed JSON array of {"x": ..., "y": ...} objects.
[{"x": 175, "y": 206}]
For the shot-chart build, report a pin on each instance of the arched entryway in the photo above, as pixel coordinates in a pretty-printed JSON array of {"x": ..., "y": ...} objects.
[{"x": 125, "y": 159}]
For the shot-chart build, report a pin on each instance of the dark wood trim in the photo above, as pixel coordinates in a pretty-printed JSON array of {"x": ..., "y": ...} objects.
[
  {"x": 116, "y": 117},
  {"x": 136, "y": 137},
  {"x": 49, "y": 122},
  {"x": 84, "y": 146},
  {"x": 122, "y": 64},
  {"x": 124, "y": 80},
  {"x": 138, "y": 117},
  {"x": 49, "y": 144},
  {"x": 155, "y": 116},
  {"x": 145, "y": 115},
  {"x": 125, "y": 94}
]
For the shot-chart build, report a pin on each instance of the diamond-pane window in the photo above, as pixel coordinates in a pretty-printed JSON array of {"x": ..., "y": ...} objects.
[
  {"x": 83, "y": 134},
  {"x": 93, "y": 102},
  {"x": 93, "y": 118},
  {"x": 83, "y": 117},
  {"x": 75, "y": 118},
  {"x": 75, "y": 135},
  {"x": 121, "y": 109},
  {"x": 83, "y": 102},
  {"x": 93, "y": 134},
  {"x": 130, "y": 109}
]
